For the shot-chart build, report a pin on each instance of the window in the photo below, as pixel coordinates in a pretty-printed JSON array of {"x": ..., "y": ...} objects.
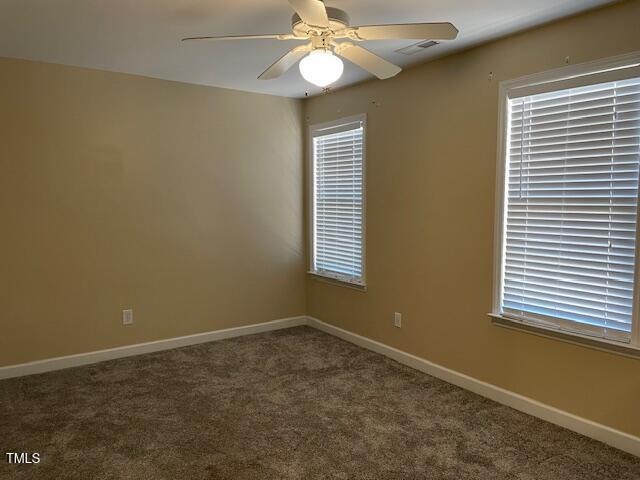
[
  {"x": 567, "y": 218},
  {"x": 338, "y": 194}
]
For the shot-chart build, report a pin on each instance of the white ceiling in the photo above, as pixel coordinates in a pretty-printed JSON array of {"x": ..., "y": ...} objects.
[{"x": 143, "y": 36}]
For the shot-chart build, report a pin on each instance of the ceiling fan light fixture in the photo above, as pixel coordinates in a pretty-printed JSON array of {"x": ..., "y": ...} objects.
[{"x": 321, "y": 67}]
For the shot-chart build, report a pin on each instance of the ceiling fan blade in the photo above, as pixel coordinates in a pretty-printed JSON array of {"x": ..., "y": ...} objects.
[
  {"x": 410, "y": 31},
  {"x": 285, "y": 62},
  {"x": 312, "y": 12},
  {"x": 367, "y": 60},
  {"x": 245, "y": 37}
]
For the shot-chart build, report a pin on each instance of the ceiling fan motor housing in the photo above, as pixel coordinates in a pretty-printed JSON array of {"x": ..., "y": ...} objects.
[{"x": 338, "y": 20}]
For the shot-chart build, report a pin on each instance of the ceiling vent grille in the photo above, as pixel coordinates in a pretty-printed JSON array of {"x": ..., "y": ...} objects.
[{"x": 417, "y": 47}]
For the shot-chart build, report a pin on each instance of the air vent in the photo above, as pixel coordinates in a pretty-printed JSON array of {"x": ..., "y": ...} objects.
[{"x": 418, "y": 47}]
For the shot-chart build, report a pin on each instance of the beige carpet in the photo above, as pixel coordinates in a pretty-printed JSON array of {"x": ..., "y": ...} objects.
[{"x": 292, "y": 404}]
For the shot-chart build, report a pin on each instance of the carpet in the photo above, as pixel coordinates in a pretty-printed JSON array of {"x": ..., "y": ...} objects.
[{"x": 290, "y": 404}]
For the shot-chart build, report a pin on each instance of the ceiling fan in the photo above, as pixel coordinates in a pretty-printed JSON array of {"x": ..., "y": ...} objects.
[{"x": 319, "y": 59}]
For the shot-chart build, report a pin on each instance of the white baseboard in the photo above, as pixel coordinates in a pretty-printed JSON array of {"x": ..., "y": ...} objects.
[
  {"x": 615, "y": 438},
  {"x": 597, "y": 431},
  {"x": 59, "y": 363}
]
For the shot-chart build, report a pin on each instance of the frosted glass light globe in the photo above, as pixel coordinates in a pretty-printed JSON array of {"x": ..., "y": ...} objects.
[{"x": 321, "y": 67}]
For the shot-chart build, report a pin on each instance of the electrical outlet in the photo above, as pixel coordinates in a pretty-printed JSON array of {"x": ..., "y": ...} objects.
[
  {"x": 397, "y": 320},
  {"x": 127, "y": 317}
]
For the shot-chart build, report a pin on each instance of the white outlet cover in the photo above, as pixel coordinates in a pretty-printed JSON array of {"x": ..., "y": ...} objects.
[
  {"x": 397, "y": 320},
  {"x": 127, "y": 317}
]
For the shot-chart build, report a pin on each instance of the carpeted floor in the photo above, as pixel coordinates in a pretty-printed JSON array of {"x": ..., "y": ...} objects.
[{"x": 291, "y": 404}]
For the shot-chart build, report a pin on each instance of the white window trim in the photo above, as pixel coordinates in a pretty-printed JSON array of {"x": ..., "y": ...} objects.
[
  {"x": 614, "y": 68},
  {"x": 334, "y": 126}
]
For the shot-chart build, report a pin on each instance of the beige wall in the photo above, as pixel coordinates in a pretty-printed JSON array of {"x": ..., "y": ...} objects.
[
  {"x": 179, "y": 201},
  {"x": 430, "y": 215}
]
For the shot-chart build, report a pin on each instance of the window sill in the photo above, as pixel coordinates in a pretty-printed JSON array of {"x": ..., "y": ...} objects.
[
  {"x": 338, "y": 282},
  {"x": 601, "y": 344}
]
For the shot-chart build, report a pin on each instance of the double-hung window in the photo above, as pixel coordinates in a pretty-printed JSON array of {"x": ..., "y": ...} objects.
[
  {"x": 567, "y": 221},
  {"x": 337, "y": 230}
]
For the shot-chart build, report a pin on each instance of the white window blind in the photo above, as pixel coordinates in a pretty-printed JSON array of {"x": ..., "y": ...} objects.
[
  {"x": 571, "y": 200},
  {"x": 338, "y": 201}
]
